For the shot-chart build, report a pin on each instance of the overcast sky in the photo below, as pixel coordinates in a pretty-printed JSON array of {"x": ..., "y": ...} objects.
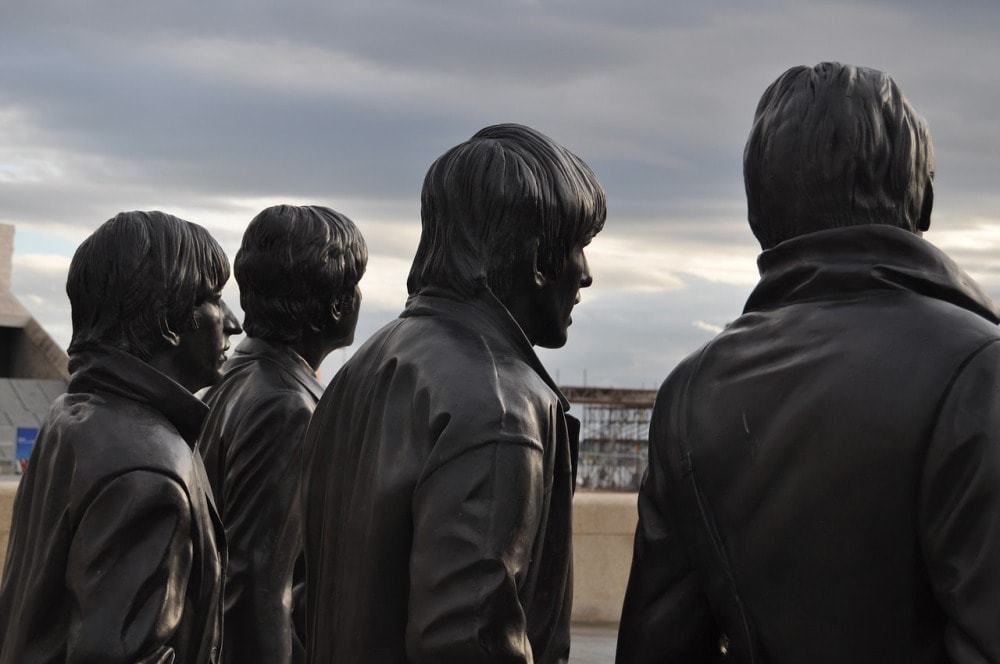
[{"x": 215, "y": 110}]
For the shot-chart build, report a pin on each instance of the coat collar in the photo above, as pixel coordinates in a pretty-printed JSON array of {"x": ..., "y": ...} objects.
[
  {"x": 859, "y": 259},
  {"x": 494, "y": 316},
  {"x": 253, "y": 349},
  {"x": 106, "y": 370}
]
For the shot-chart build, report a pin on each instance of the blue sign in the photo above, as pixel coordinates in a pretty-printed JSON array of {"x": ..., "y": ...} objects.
[{"x": 25, "y": 441}]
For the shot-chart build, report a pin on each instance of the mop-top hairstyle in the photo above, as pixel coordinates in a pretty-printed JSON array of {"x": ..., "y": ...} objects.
[
  {"x": 833, "y": 146},
  {"x": 487, "y": 201},
  {"x": 139, "y": 276},
  {"x": 294, "y": 263}
]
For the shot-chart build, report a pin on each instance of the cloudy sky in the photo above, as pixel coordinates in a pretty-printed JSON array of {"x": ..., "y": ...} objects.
[{"x": 214, "y": 110}]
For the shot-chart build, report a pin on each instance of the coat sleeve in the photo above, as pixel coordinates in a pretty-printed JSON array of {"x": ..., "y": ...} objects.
[
  {"x": 263, "y": 526},
  {"x": 665, "y": 616},
  {"x": 475, "y": 522},
  {"x": 127, "y": 571},
  {"x": 959, "y": 510}
]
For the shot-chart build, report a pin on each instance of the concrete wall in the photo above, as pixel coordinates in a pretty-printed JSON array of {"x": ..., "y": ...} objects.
[
  {"x": 603, "y": 530},
  {"x": 7, "y": 489},
  {"x": 603, "y": 527},
  {"x": 6, "y": 255}
]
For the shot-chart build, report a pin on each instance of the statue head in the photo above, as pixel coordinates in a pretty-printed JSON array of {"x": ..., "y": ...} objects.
[
  {"x": 509, "y": 210},
  {"x": 833, "y": 146},
  {"x": 150, "y": 284},
  {"x": 298, "y": 270}
]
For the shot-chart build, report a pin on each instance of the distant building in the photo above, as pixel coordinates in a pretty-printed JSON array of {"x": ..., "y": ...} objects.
[
  {"x": 33, "y": 368},
  {"x": 613, "y": 435}
]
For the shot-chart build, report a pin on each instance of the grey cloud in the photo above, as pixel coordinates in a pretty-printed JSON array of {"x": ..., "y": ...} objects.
[
  {"x": 652, "y": 332},
  {"x": 112, "y": 105},
  {"x": 573, "y": 73}
]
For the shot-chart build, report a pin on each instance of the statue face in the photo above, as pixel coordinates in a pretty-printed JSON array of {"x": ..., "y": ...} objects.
[
  {"x": 202, "y": 350},
  {"x": 554, "y": 301}
]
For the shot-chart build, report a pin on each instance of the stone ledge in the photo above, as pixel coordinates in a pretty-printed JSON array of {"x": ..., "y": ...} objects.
[
  {"x": 603, "y": 528},
  {"x": 603, "y": 531},
  {"x": 7, "y": 490}
]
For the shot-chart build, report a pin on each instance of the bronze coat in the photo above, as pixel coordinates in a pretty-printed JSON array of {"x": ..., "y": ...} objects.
[
  {"x": 252, "y": 445},
  {"x": 438, "y": 487},
  {"x": 844, "y": 438},
  {"x": 115, "y": 550}
]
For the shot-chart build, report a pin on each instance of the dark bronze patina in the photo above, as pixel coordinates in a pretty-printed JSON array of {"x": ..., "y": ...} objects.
[
  {"x": 298, "y": 270},
  {"x": 824, "y": 476},
  {"x": 116, "y": 550},
  {"x": 439, "y": 463}
]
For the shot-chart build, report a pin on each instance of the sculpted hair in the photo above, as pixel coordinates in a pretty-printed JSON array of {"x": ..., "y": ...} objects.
[
  {"x": 140, "y": 275},
  {"x": 485, "y": 202},
  {"x": 832, "y": 146},
  {"x": 294, "y": 264}
]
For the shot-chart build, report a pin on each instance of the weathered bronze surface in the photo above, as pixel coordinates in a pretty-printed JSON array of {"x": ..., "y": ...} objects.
[
  {"x": 439, "y": 464},
  {"x": 298, "y": 270},
  {"x": 116, "y": 550},
  {"x": 823, "y": 475}
]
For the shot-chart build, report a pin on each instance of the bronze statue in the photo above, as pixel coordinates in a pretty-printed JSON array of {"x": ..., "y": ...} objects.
[
  {"x": 824, "y": 475},
  {"x": 438, "y": 467},
  {"x": 116, "y": 550},
  {"x": 298, "y": 271}
]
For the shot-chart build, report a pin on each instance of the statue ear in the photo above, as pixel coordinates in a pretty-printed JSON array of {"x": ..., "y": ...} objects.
[
  {"x": 538, "y": 276},
  {"x": 343, "y": 305},
  {"x": 172, "y": 338},
  {"x": 337, "y": 309}
]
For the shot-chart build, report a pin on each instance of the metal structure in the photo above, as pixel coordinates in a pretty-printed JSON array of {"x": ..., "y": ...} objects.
[{"x": 613, "y": 435}]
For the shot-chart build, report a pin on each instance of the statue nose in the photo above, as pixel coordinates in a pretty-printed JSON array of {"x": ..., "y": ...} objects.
[{"x": 231, "y": 326}]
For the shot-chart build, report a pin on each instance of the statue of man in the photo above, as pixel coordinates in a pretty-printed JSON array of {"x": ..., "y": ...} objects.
[
  {"x": 438, "y": 467},
  {"x": 298, "y": 270},
  {"x": 824, "y": 475},
  {"x": 116, "y": 550}
]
